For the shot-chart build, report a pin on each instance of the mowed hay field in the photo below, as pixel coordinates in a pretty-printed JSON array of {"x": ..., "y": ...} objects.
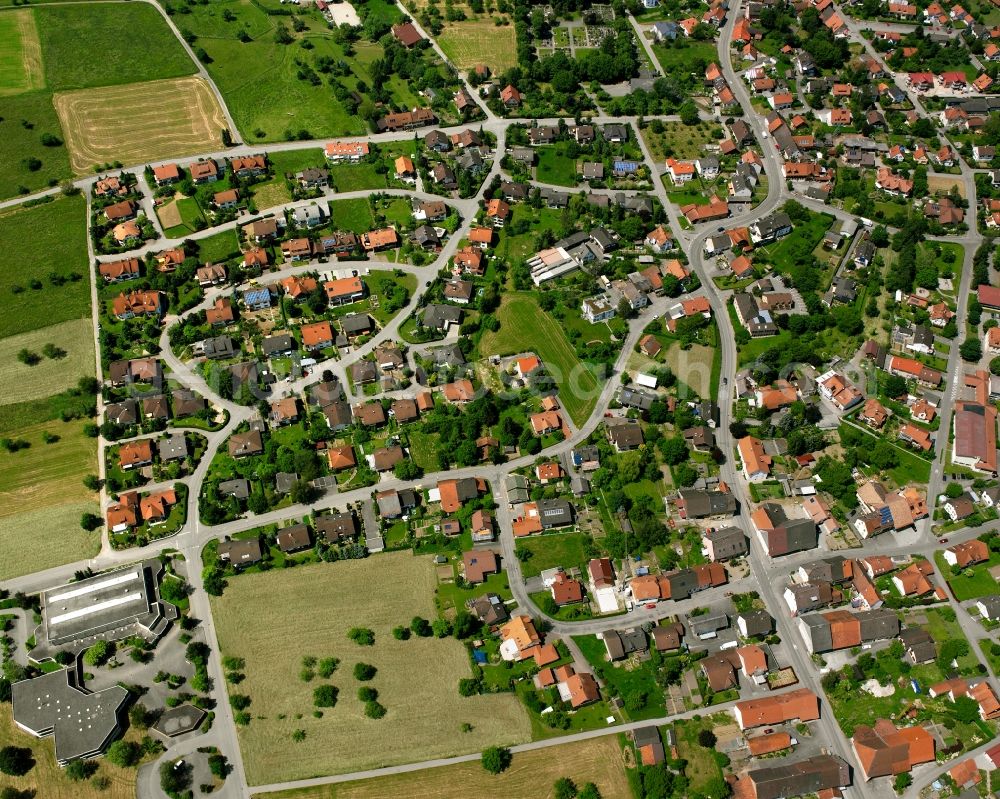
[
  {"x": 479, "y": 42},
  {"x": 47, "y": 780},
  {"x": 525, "y": 327},
  {"x": 20, "y": 53},
  {"x": 50, "y": 375},
  {"x": 46, "y": 538},
  {"x": 140, "y": 122},
  {"x": 692, "y": 366},
  {"x": 272, "y": 620},
  {"x": 530, "y": 776}
]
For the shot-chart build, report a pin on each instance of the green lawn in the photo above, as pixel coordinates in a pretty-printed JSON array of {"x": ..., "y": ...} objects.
[
  {"x": 97, "y": 45},
  {"x": 804, "y": 237},
  {"x": 190, "y": 213},
  {"x": 451, "y": 597},
  {"x": 551, "y": 550},
  {"x": 554, "y": 166},
  {"x": 703, "y": 768},
  {"x": 686, "y": 57},
  {"x": 273, "y": 191},
  {"x": 25, "y": 118},
  {"x": 524, "y": 327},
  {"x": 423, "y": 449},
  {"x": 971, "y": 583},
  {"x": 353, "y": 215},
  {"x": 56, "y": 247},
  {"x": 219, "y": 247},
  {"x": 356, "y": 177}
]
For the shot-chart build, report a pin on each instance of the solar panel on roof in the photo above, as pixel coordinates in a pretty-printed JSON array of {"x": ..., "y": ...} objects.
[{"x": 885, "y": 515}]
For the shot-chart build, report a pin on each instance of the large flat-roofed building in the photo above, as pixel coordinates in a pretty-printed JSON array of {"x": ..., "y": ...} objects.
[
  {"x": 83, "y": 723},
  {"x": 110, "y": 606}
]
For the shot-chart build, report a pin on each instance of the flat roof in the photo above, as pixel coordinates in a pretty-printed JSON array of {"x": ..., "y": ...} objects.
[
  {"x": 115, "y": 603},
  {"x": 82, "y": 722}
]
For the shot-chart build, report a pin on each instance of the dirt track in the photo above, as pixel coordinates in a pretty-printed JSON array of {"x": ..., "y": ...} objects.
[{"x": 139, "y": 122}]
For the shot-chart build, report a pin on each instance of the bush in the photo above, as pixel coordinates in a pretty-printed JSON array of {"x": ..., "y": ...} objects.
[
  {"x": 367, "y": 694},
  {"x": 364, "y": 671},
  {"x": 16, "y": 760},
  {"x": 325, "y": 696},
  {"x": 496, "y": 759},
  {"x": 564, "y": 788},
  {"x": 327, "y": 666},
  {"x": 374, "y": 710},
  {"x": 98, "y": 652},
  {"x": 362, "y": 636},
  {"x": 239, "y": 701},
  {"x": 401, "y": 633},
  {"x": 124, "y": 753}
]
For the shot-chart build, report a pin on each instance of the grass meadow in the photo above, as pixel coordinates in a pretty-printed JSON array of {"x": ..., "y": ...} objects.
[
  {"x": 273, "y": 620},
  {"x": 20, "y": 53},
  {"x": 259, "y": 78},
  {"x": 525, "y": 327},
  {"x": 531, "y": 776},
  {"x": 57, "y": 245},
  {"x": 86, "y": 46},
  {"x": 45, "y": 538}
]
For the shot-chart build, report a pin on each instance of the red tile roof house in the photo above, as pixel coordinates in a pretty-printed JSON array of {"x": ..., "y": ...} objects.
[
  {"x": 133, "y": 454},
  {"x": 117, "y": 271},
  {"x": 119, "y": 212},
  {"x": 479, "y": 564},
  {"x": 137, "y": 303},
  {"x": 166, "y": 174},
  {"x": 344, "y": 291},
  {"x": 884, "y": 750}
]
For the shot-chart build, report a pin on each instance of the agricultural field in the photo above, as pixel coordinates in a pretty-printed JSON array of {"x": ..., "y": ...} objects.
[
  {"x": 133, "y": 123},
  {"x": 20, "y": 54},
  {"x": 57, "y": 247},
  {"x": 49, "y": 780},
  {"x": 82, "y": 46},
  {"x": 531, "y": 774},
  {"x": 480, "y": 41},
  {"x": 50, "y": 375},
  {"x": 525, "y": 327},
  {"x": 259, "y": 78},
  {"x": 308, "y": 613},
  {"x": 51, "y": 536}
]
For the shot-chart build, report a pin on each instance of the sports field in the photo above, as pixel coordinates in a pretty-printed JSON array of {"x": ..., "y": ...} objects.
[
  {"x": 56, "y": 246},
  {"x": 20, "y": 53},
  {"x": 48, "y": 780},
  {"x": 272, "y": 620},
  {"x": 479, "y": 42},
  {"x": 525, "y": 327},
  {"x": 139, "y": 122},
  {"x": 531, "y": 776},
  {"x": 50, "y": 375},
  {"x": 84, "y": 46}
]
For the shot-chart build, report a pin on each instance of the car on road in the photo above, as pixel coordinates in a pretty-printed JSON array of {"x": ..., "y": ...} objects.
[
  {"x": 942, "y": 540},
  {"x": 650, "y": 606},
  {"x": 725, "y": 381}
]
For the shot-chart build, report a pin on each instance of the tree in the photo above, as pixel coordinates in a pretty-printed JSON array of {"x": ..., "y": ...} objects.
[
  {"x": 218, "y": 765},
  {"x": 98, "y": 652},
  {"x": 374, "y": 710},
  {"x": 674, "y": 450},
  {"x": 79, "y": 770},
  {"x": 895, "y": 386},
  {"x": 421, "y": 627},
  {"x": 966, "y": 710},
  {"x": 707, "y": 739},
  {"x": 589, "y": 791},
  {"x": 689, "y": 113},
  {"x": 90, "y": 521},
  {"x": 325, "y": 695},
  {"x": 902, "y": 782},
  {"x": 441, "y": 628},
  {"x": 174, "y": 778},
  {"x": 401, "y": 633},
  {"x": 954, "y": 490},
  {"x": 364, "y": 671},
  {"x": 124, "y": 753},
  {"x": 496, "y": 759},
  {"x": 971, "y": 350},
  {"x": 367, "y": 694},
  {"x": 16, "y": 760},
  {"x": 564, "y": 788}
]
